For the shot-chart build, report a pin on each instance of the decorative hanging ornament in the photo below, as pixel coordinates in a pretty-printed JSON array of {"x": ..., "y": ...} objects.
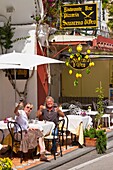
[{"x": 79, "y": 62}]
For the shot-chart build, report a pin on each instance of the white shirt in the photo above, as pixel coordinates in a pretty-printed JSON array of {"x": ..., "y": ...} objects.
[{"x": 22, "y": 119}]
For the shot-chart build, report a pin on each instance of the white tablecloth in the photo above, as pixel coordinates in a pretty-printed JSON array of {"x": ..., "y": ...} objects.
[
  {"x": 75, "y": 120},
  {"x": 89, "y": 113},
  {"x": 76, "y": 125},
  {"x": 46, "y": 127}
]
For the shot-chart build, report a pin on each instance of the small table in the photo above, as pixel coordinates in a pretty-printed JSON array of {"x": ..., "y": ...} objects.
[
  {"x": 76, "y": 125},
  {"x": 94, "y": 113}
]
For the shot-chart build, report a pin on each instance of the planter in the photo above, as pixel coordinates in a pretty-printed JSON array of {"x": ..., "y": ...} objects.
[{"x": 90, "y": 141}]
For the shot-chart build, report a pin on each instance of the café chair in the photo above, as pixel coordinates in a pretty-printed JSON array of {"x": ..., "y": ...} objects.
[
  {"x": 1, "y": 136},
  {"x": 4, "y": 149},
  {"x": 52, "y": 137},
  {"x": 70, "y": 135},
  {"x": 94, "y": 106},
  {"x": 16, "y": 137},
  {"x": 65, "y": 132}
]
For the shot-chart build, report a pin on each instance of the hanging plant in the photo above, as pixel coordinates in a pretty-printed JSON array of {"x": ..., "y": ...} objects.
[{"x": 79, "y": 62}]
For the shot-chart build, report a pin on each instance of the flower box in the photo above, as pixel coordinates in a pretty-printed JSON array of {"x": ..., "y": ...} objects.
[{"x": 90, "y": 142}]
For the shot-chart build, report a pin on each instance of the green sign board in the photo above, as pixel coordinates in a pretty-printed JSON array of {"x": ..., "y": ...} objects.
[{"x": 78, "y": 16}]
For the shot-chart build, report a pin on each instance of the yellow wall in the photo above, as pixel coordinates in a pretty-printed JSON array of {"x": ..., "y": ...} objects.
[{"x": 88, "y": 83}]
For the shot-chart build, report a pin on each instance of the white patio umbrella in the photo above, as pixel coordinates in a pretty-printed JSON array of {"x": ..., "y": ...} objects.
[{"x": 24, "y": 61}]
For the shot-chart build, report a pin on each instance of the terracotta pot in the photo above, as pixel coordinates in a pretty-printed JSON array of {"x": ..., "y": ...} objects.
[{"x": 90, "y": 141}]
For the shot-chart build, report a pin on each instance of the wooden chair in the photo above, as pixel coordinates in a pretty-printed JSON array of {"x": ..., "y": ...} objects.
[
  {"x": 16, "y": 135},
  {"x": 56, "y": 138}
]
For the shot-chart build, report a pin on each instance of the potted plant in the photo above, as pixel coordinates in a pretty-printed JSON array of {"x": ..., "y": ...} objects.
[
  {"x": 100, "y": 105},
  {"x": 101, "y": 142},
  {"x": 96, "y": 137},
  {"x": 90, "y": 137}
]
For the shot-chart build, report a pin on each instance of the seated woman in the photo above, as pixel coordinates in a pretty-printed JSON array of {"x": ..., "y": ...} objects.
[{"x": 30, "y": 136}]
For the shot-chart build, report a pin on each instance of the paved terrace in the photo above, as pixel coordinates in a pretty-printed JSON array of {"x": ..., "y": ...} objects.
[{"x": 72, "y": 152}]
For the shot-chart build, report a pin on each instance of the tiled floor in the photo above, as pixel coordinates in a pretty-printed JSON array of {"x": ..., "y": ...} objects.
[{"x": 30, "y": 163}]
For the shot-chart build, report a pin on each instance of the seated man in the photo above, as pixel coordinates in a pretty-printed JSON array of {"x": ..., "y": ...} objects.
[
  {"x": 50, "y": 112},
  {"x": 30, "y": 136}
]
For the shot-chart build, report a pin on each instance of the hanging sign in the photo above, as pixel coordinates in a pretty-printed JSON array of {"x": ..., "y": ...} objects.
[
  {"x": 79, "y": 64},
  {"x": 78, "y": 16}
]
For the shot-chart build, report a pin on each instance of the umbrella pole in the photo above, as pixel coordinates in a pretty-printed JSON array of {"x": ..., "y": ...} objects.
[
  {"x": 49, "y": 80},
  {"x": 15, "y": 84}
]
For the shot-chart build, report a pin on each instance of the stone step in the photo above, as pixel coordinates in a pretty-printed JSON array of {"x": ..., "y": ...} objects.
[
  {"x": 110, "y": 139},
  {"x": 110, "y": 144},
  {"x": 110, "y": 134}
]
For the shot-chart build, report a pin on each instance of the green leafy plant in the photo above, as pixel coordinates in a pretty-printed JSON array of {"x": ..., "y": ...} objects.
[
  {"x": 5, "y": 164},
  {"x": 6, "y": 43},
  {"x": 91, "y": 133},
  {"x": 6, "y": 36},
  {"x": 101, "y": 141},
  {"x": 100, "y": 105}
]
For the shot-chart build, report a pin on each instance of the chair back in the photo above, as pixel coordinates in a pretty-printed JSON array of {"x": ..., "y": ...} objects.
[
  {"x": 60, "y": 126},
  {"x": 94, "y": 106},
  {"x": 67, "y": 122},
  {"x": 1, "y": 136},
  {"x": 15, "y": 131}
]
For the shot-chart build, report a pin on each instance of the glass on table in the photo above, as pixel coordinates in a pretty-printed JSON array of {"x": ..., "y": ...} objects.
[
  {"x": 36, "y": 120},
  {"x": 31, "y": 121}
]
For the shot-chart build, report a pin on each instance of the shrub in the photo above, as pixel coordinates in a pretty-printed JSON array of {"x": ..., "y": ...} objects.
[{"x": 100, "y": 134}]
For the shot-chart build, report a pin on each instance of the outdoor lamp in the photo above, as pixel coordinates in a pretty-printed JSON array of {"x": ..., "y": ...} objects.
[{"x": 43, "y": 32}]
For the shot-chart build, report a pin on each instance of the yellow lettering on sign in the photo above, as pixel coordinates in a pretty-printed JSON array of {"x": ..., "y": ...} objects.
[
  {"x": 89, "y": 22},
  {"x": 66, "y": 15},
  {"x": 72, "y": 9},
  {"x": 87, "y": 8},
  {"x": 72, "y": 23}
]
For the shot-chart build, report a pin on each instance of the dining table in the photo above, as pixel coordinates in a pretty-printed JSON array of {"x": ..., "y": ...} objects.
[
  {"x": 77, "y": 124},
  {"x": 45, "y": 126},
  {"x": 93, "y": 114}
]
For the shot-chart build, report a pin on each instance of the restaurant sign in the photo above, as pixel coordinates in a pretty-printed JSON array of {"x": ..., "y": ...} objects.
[
  {"x": 79, "y": 64},
  {"x": 78, "y": 16}
]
